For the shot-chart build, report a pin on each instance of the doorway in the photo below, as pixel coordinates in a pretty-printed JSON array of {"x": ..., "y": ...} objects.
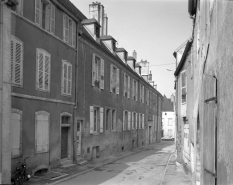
[
  {"x": 79, "y": 137},
  {"x": 64, "y": 142},
  {"x": 150, "y": 134}
]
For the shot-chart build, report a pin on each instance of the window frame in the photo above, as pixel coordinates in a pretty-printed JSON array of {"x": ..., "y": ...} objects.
[
  {"x": 36, "y": 127},
  {"x": 69, "y": 27},
  {"x": 183, "y": 87},
  {"x": 114, "y": 79},
  {"x": 20, "y": 147}
]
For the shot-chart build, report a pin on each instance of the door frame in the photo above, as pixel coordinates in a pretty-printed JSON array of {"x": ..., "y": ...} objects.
[{"x": 80, "y": 138}]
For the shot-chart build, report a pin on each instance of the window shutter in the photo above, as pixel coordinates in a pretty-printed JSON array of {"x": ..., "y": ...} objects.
[
  {"x": 65, "y": 28},
  {"x": 132, "y": 89},
  {"x": 111, "y": 77},
  {"x": 69, "y": 79},
  {"x": 73, "y": 34},
  {"x": 47, "y": 73},
  {"x": 123, "y": 124},
  {"x": 143, "y": 116},
  {"x": 91, "y": 119},
  {"x": 101, "y": 119},
  {"x": 133, "y": 120},
  {"x": 129, "y": 120},
  {"x": 118, "y": 81},
  {"x": 37, "y": 11},
  {"x": 143, "y": 93},
  {"x": 102, "y": 74},
  {"x": 136, "y": 91},
  {"x": 52, "y": 19},
  {"x": 93, "y": 70},
  {"x": 15, "y": 134},
  {"x": 40, "y": 69},
  {"x": 128, "y": 87},
  {"x": 62, "y": 78},
  {"x": 136, "y": 125},
  {"x": 124, "y": 77},
  {"x": 12, "y": 59},
  {"x": 47, "y": 17}
]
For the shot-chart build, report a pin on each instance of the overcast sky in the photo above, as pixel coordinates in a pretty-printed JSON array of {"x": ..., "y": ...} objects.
[{"x": 154, "y": 28}]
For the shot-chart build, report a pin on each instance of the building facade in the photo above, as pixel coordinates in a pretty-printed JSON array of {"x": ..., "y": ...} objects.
[{"x": 74, "y": 93}]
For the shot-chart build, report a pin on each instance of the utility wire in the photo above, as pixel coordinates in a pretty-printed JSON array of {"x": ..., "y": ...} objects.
[{"x": 162, "y": 64}]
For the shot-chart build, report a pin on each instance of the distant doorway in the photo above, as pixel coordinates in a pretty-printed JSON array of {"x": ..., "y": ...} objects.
[
  {"x": 79, "y": 137},
  {"x": 150, "y": 134}
]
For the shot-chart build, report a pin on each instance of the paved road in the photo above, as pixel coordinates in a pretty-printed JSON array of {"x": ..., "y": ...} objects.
[{"x": 145, "y": 168}]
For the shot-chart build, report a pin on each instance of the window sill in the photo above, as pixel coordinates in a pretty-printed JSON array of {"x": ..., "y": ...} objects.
[
  {"x": 66, "y": 95},
  {"x": 17, "y": 85},
  {"x": 43, "y": 90}
]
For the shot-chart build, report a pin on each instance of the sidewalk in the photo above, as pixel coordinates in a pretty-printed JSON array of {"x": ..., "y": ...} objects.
[{"x": 175, "y": 174}]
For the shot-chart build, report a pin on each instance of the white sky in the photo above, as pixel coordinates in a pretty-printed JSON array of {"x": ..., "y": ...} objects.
[{"x": 154, "y": 28}]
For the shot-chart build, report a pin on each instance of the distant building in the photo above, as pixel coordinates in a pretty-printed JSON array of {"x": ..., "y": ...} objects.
[{"x": 168, "y": 117}]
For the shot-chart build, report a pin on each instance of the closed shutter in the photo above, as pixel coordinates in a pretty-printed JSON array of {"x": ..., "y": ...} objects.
[
  {"x": 124, "y": 76},
  {"x": 111, "y": 77},
  {"x": 69, "y": 79},
  {"x": 65, "y": 28},
  {"x": 47, "y": 17},
  {"x": 93, "y": 70},
  {"x": 42, "y": 133},
  {"x": 91, "y": 119},
  {"x": 64, "y": 77},
  {"x": 143, "y": 93},
  {"x": 118, "y": 81},
  {"x": 102, "y": 75},
  {"x": 15, "y": 134},
  {"x": 52, "y": 19},
  {"x": 16, "y": 61},
  {"x": 143, "y": 123},
  {"x": 37, "y": 12},
  {"x": 73, "y": 34},
  {"x": 101, "y": 119},
  {"x": 129, "y": 120},
  {"x": 136, "y": 90},
  {"x": 132, "y": 89},
  {"x": 123, "y": 123},
  {"x": 47, "y": 73},
  {"x": 136, "y": 125},
  {"x": 128, "y": 87}
]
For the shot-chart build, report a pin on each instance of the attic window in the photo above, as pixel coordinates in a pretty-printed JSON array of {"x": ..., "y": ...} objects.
[{"x": 97, "y": 31}]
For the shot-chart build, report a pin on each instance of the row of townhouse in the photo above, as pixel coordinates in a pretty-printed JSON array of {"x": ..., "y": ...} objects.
[
  {"x": 74, "y": 93},
  {"x": 204, "y": 94}
]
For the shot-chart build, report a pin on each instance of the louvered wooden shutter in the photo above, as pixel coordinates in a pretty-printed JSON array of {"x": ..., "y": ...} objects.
[
  {"x": 128, "y": 87},
  {"x": 133, "y": 90},
  {"x": 15, "y": 134},
  {"x": 124, "y": 77},
  {"x": 111, "y": 77},
  {"x": 38, "y": 12},
  {"x": 143, "y": 94},
  {"x": 129, "y": 120},
  {"x": 118, "y": 81},
  {"x": 136, "y": 125},
  {"x": 47, "y": 17},
  {"x": 73, "y": 34},
  {"x": 91, "y": 119},
  {"x": 136, "y": 91},
  {"x": 12, "y": 59},
  {"x": 65, "y": 28},
  {"x": 40, "y": 62},
  {"x": 101, "y": 119},
  {"x": 102, "y": 75},
  {"x": 143, "y": 123},
  {"x": 133, "y": 114},
  {"x": 47, "y": 72},
  {"x": 123, "y": 123},
  {"x": 93, "y": 70},
  {"x": 52, "y": 19},
  {"x": 69, "y": 79}
]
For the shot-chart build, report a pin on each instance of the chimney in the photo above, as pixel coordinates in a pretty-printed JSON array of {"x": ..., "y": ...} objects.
[
  {"x": 135, "y": 55},
  {"x": 105, "y": 25},
  {"x": 150, "y": 77},
  {"x": 155, "y": 86}
]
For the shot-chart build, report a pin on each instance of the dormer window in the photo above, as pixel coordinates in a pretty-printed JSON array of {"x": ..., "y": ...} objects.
[
  {"x": 109, "y": 42},
  {"x": 92, "y": 27}
]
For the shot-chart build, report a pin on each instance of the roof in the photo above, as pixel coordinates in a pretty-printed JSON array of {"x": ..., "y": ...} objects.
[
  {"x": 72, "y": 8},
  {"x": 180, "y": 47},
  {"x": 167, "y": 105},
  {"x": 137, "y": 65},
  {"x": 90, "y": 21},
  {"x": 107, "y": 37},
  {"x": 120, "y": 49},
  {"x": 130, "y": 58},
  {"x": 182, "y": 61}
]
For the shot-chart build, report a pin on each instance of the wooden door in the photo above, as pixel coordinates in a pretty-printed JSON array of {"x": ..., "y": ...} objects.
[
  {"x": 64, "y": 142},
  {"x": 209, "y": 130}
]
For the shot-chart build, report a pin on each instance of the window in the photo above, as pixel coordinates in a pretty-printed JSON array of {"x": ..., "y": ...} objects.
[
  {"x": 126, "y": 86},
  {"x": 114, "y": 79},
  {"x": 133, "y": 120},
  {"x": 16, "y": 61},
  {"x": 69, "y": 30},
  {"x": 45, "y": 15},
  {"x": 19, "y": 7},
  {"x": 96, "y": 119},
  {"x": 141, "y": 121},
  {"x": 43, "y": 70},
  {"x": 42, "y": 132},
  {"x": 125, "y": 120},
  {"x": 66, "y": 77},
  {"x": 147, "y": 96},
  {"x": 110, "y": 119},
  {"x": 16, "y": 133},
  {"x": 169, "y": 121},
  {"x": 141, "y": 93},
  {"x": 183, "y": 87},
  {"x": 134, "y": 90},
  {"x": 97, "y": 72}
]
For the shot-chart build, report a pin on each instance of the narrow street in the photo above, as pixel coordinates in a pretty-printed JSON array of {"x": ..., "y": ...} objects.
[{"x": 146, "y": 167}]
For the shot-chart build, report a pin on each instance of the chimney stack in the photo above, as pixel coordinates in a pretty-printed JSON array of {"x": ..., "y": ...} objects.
[
  {"x": 105, "y": 25},
  {"x": 135, "y": 55},
  {"x": 150, "y": 77}
]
